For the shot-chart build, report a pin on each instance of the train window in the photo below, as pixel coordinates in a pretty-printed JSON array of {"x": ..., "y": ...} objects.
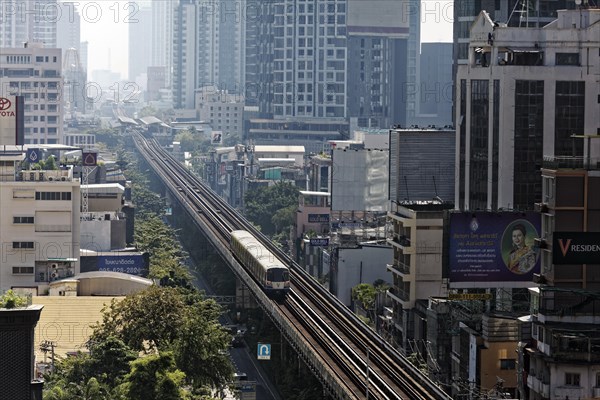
[{"x": 277, "y": 275}]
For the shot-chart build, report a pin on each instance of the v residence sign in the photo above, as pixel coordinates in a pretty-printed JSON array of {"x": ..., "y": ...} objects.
[{"x": 576, "y": 248}]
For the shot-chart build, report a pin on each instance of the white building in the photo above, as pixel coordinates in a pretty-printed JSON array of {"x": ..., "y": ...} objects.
[
  {"x": 223, "y": 111},
  {"x": 520, "y": 97},
  {"x": 39, "y": 225},
  {"x": 36, "y": 74},
  {"x": 162, "y": 36}
]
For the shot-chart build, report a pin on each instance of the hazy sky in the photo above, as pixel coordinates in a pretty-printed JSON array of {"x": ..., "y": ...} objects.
[{"x": 104, "y": 24}]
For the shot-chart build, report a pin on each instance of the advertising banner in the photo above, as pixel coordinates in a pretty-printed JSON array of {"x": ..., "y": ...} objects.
[
  {"x": 321, "y": 242},
  {"x": 486, "y": 248},
  {"x": 129, "y": 264},
  {"x": 318, "y": 218},
  {"x": 576, "y": 248}
]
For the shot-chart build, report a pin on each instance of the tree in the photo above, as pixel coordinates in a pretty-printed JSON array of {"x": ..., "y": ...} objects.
[
  {"x": 172, "y": 319},
  {"x": 263, "y": 203},
  {"x": 284, "y": 218},
  {"x": 152, "y": 235},
  {"x": 155, "y": 377},
  {"x": 147, "y": 111}
]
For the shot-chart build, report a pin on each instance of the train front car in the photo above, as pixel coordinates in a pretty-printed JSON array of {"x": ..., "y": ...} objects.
[
  {"x": 269, "y": 272},
  {"x": 277, "y": 283}
]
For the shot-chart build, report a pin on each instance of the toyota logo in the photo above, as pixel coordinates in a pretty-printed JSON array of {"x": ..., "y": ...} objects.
[{"x": 4, "y": 103}]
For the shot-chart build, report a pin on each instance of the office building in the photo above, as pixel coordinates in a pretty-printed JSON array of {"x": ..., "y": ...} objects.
[
  {"x": 207, "y": 50},
  {"x": 29, "y": 21},
  {"x": 163, "y": 13},
  {"x": 39, "y": 227},
  {"x": 68, "y": 28},
  {"x": 140, "y": 47},
  {"x": 523, "y": 94},
  {"x": 435, "y": 91},
  {"x": 515, "y": 13},
  {"x": 35, "y": 73}
]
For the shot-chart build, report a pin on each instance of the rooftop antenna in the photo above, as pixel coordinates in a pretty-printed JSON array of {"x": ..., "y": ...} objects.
[
  {"x": 524, "y": 10},
  {"x": 406, "y": 185},
  {"x": 434, "y": 186}
]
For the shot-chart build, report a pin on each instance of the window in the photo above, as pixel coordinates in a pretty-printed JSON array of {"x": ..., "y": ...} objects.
[
  {"x": 22, "y": 220},
  {"x": 22, "y": 245},
  {"x": 567, "y": 58},
  {"x": 53, "y": 196},
  {"x": 509, "y": 363},
  {"x": 22, "y": 270},
  {"x": 571, "y": 379}
]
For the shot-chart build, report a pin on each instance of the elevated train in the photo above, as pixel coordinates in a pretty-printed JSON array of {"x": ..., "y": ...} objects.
[{"x": 270, "y": 273}]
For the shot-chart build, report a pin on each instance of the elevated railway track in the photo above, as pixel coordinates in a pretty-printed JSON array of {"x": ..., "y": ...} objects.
[{"x": 351, "y": 360}]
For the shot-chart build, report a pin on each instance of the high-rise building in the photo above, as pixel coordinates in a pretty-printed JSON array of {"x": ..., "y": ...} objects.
[
  {"x": 435, "y": 90},
  {"x": 28, "y": 21},
  {"x": 346, "y": 60},
  {"x": 560, "y": 357},
  {"x": 68, "y": 28},
  {"x": 83, "y": 55},
  {"x": 207, "y": 49},
  {"x": 140, "y": 45},
  {"x": 515, "y": 13},
  {"x": 163, "y": 14},
  {"x": 522, "y": 95},
  {"x": 36, "y": 74}
]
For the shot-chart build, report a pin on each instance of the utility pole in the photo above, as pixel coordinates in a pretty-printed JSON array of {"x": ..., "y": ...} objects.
[{"x": 46, "y": 346}]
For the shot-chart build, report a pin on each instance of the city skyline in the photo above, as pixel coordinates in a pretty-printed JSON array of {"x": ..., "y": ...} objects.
[{"x": 106, "y": 24}]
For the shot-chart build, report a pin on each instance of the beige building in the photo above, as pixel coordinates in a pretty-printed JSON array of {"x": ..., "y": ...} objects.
[
  {"x": 35, "y": 73},
  {"x": 39, "y": 225},
  {"x": 417, "y": 266}
]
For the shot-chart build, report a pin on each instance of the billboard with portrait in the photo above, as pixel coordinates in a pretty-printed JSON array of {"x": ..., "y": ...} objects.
[{"x": 493, "y": 249}]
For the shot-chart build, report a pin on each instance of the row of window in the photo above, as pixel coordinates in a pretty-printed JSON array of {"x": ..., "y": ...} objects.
[
  {"x": 22, "y": 245},
  {"x": 53, "y": 196},
  {"x": 23, "y": 220}
]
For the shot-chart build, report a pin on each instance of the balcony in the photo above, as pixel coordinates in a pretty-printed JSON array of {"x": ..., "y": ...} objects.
[
  {"x": 400, "y": 294},
  {"x": 571, "y": 162},
  {"x": 402, "y": 240},
  {"x": 399, "y": 267}
]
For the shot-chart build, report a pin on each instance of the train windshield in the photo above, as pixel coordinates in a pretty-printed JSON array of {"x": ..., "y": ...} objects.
[{"x": 278, "y": 275}]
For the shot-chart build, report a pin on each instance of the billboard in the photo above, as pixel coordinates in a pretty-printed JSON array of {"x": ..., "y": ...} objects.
[
  {"x": 134, "y": 264},
  {"x": 12, "y": 120},
  {"x": 576, "y": 248},
  {"x": 491, "y": 249}
]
